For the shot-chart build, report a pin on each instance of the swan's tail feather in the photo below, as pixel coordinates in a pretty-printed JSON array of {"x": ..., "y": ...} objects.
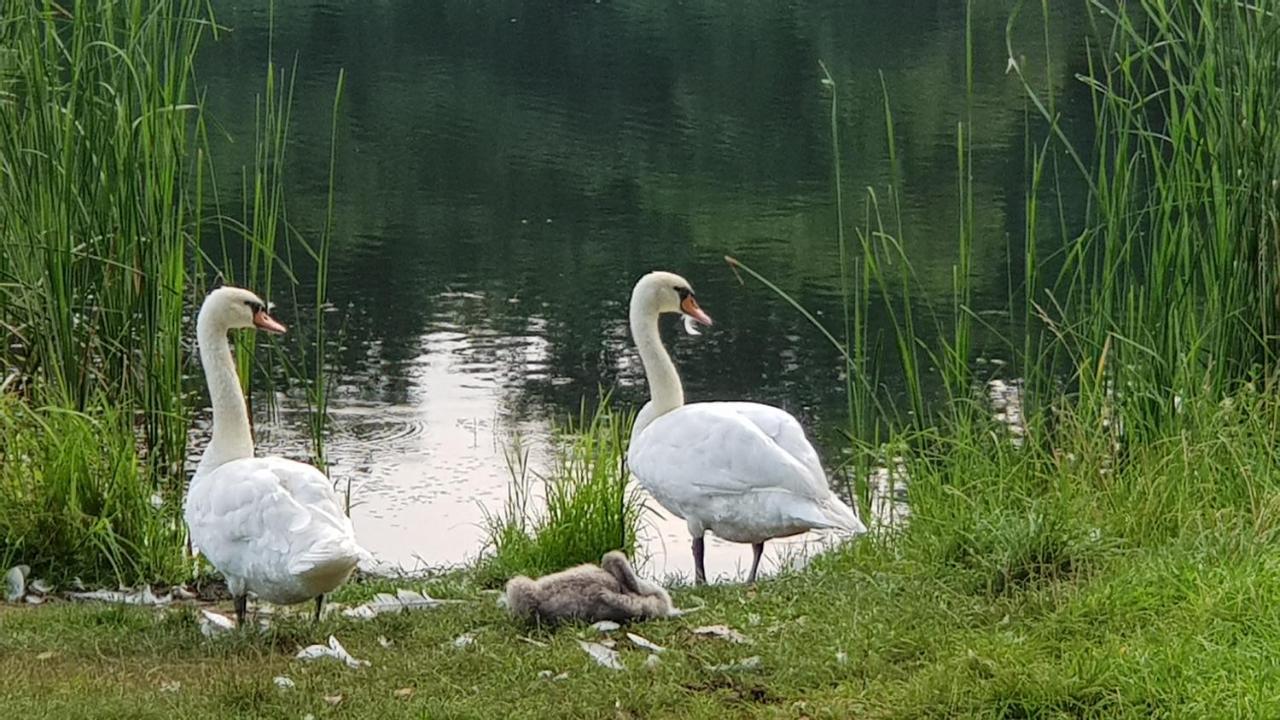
[
  {"x": 327, "y": 557},
  {"x": 842, "y": 517}
]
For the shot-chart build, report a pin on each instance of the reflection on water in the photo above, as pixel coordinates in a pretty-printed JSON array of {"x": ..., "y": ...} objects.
[{"x": 506, "y": 170}]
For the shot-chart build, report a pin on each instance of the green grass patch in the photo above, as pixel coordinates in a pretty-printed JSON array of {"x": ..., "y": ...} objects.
[
  {"x": 586, "y": 506},
  {"x": 75, "y": 502}
]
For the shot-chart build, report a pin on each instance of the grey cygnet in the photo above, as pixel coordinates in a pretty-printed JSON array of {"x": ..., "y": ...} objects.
[{"x": 611, "y": 591}]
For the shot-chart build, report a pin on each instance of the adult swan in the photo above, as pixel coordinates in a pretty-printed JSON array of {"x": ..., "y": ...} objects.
[
  {"x": 274, "y": 527},
  {"x": 744, "y": 471}
]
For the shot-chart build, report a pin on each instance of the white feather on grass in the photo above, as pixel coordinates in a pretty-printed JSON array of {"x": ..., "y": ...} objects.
[
  {"x": 333, "y": 650},
  {"x": 604, "y": 657}
]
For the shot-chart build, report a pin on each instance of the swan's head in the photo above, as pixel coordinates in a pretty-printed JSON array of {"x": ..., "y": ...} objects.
[
  {"x": 663, "y": 292},
  {"x": 232, "y": 307}
]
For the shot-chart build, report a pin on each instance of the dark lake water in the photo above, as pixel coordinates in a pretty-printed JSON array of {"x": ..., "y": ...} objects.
[{"x": 507, "y": 170}]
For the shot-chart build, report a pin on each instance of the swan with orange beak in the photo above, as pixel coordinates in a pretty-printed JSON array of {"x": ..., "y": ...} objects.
[
  {"x": 274, "y": 527},
  {"x": 742, "y": 471}
]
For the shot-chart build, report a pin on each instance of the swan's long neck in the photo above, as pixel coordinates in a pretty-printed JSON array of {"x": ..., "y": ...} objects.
[
  {"x": 232, "y": 438},
  {"x": 665, "y": 391}
]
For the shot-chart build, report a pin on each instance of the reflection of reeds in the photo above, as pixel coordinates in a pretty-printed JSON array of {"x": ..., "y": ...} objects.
[{"x": 589, "y": 507}]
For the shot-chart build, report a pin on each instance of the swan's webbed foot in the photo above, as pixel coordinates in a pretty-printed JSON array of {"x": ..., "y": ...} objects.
[
  {"x": 757, "y": 549},
  {"x": 699, "y": 567},
  {"x": 242, "y": 608}
]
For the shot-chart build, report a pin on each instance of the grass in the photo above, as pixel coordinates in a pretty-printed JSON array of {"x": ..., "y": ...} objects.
[
  {"x": 1058, "y": 590},
  {"x": 77, "y": 502},
  {"x": 587, "y": 507}
]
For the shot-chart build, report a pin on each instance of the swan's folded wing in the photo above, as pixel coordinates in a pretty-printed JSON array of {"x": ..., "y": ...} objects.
[
  {"x": 247, "y": 520},
  {"x": 271, "y": 511},
  {"x": 783, "y": 429},
  {"x": 313, "y": 490},
  {"x": 714, "y": 449}
]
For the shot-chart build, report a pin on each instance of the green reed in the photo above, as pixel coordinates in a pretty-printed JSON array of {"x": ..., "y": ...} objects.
[
  {"x": 104, "y": 188},
  {"x": 95, "y": 205}
]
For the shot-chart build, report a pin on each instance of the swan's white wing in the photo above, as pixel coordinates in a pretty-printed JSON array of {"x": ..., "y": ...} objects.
[
  {"x": 745, "y": 471},
  {"x": 784, "y": 430},
  {"x": 722, "y": 448},
  {"x": 269, "y": 521}
]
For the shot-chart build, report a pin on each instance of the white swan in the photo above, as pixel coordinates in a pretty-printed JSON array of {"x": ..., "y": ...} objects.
[
  {"x": 744, "y": 471},
  {"x": 272, "y": 526}
]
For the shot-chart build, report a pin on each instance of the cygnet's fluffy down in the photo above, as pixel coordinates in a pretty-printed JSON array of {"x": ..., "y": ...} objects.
[{"x": 611, "y": 591}]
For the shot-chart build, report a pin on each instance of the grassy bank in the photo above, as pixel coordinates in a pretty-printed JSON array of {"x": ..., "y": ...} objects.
[{"x": 1027, "y": 585}]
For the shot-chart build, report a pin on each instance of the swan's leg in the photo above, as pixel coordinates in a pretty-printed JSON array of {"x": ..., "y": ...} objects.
[
  {"x": 757, "y": 549},
  {"x": 699, "y": 569},
  {"x": 319, "y": 606},
  {"x": 242, "y": 607}
]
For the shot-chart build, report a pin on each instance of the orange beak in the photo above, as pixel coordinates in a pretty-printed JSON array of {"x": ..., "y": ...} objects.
[
  {"x": 689, "y": 307},
  {"x": 263, "y": 321}
]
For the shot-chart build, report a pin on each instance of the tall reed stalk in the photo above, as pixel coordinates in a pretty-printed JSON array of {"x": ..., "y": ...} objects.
[
  {"x": 96, "y": 107},
  {"x": 104, "y": 187}
]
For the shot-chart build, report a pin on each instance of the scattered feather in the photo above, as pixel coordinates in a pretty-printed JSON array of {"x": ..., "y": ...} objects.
[
  {"x": 182, "y": 593},
  {"x": 609, "y": 643},
  {"x": 333, "y": 699},
  {"x": 645, "y": 643},
  {"x": 535, "y": 643},
  {"x": 364, "y": 612},
  {"x": 691, "y": 326},
  {"x": 126, "y": 597},
  {"x": 40, "y": 586},
  {"x": 603, "y": 656},
  {"x": 212, "y": 623},
  {"x": 333, "y": 650},
  {"x": 284, "y": 683},
  {"x": 35, "y": 599},
  {"x": 750, "y": 663},
  {"x": 170, "y": 686},
  {"x": 402, "y": 601},
  {"x": 605, "y": 626},
  {"x": 465, "y": 639},
  {"x": 15, "y": 583},
  {"x": 652, "y": 662},
  {"x": 46, "y": 655},
  {"x": 842, "y": 657},
  {"x": 383, "y": 641},
  {"x": 723, "y": 632},
  {"x": 404, "y": 693},
  {"x": 561, "y": 676}
]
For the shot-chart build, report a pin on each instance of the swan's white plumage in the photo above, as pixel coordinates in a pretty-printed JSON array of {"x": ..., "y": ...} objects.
[
  {"x": 744, "y": 471},
  {"x": 274, "y": 527}
]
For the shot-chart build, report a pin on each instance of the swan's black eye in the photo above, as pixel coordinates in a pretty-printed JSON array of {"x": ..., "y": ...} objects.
[{"x": 683, "y": 292}]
